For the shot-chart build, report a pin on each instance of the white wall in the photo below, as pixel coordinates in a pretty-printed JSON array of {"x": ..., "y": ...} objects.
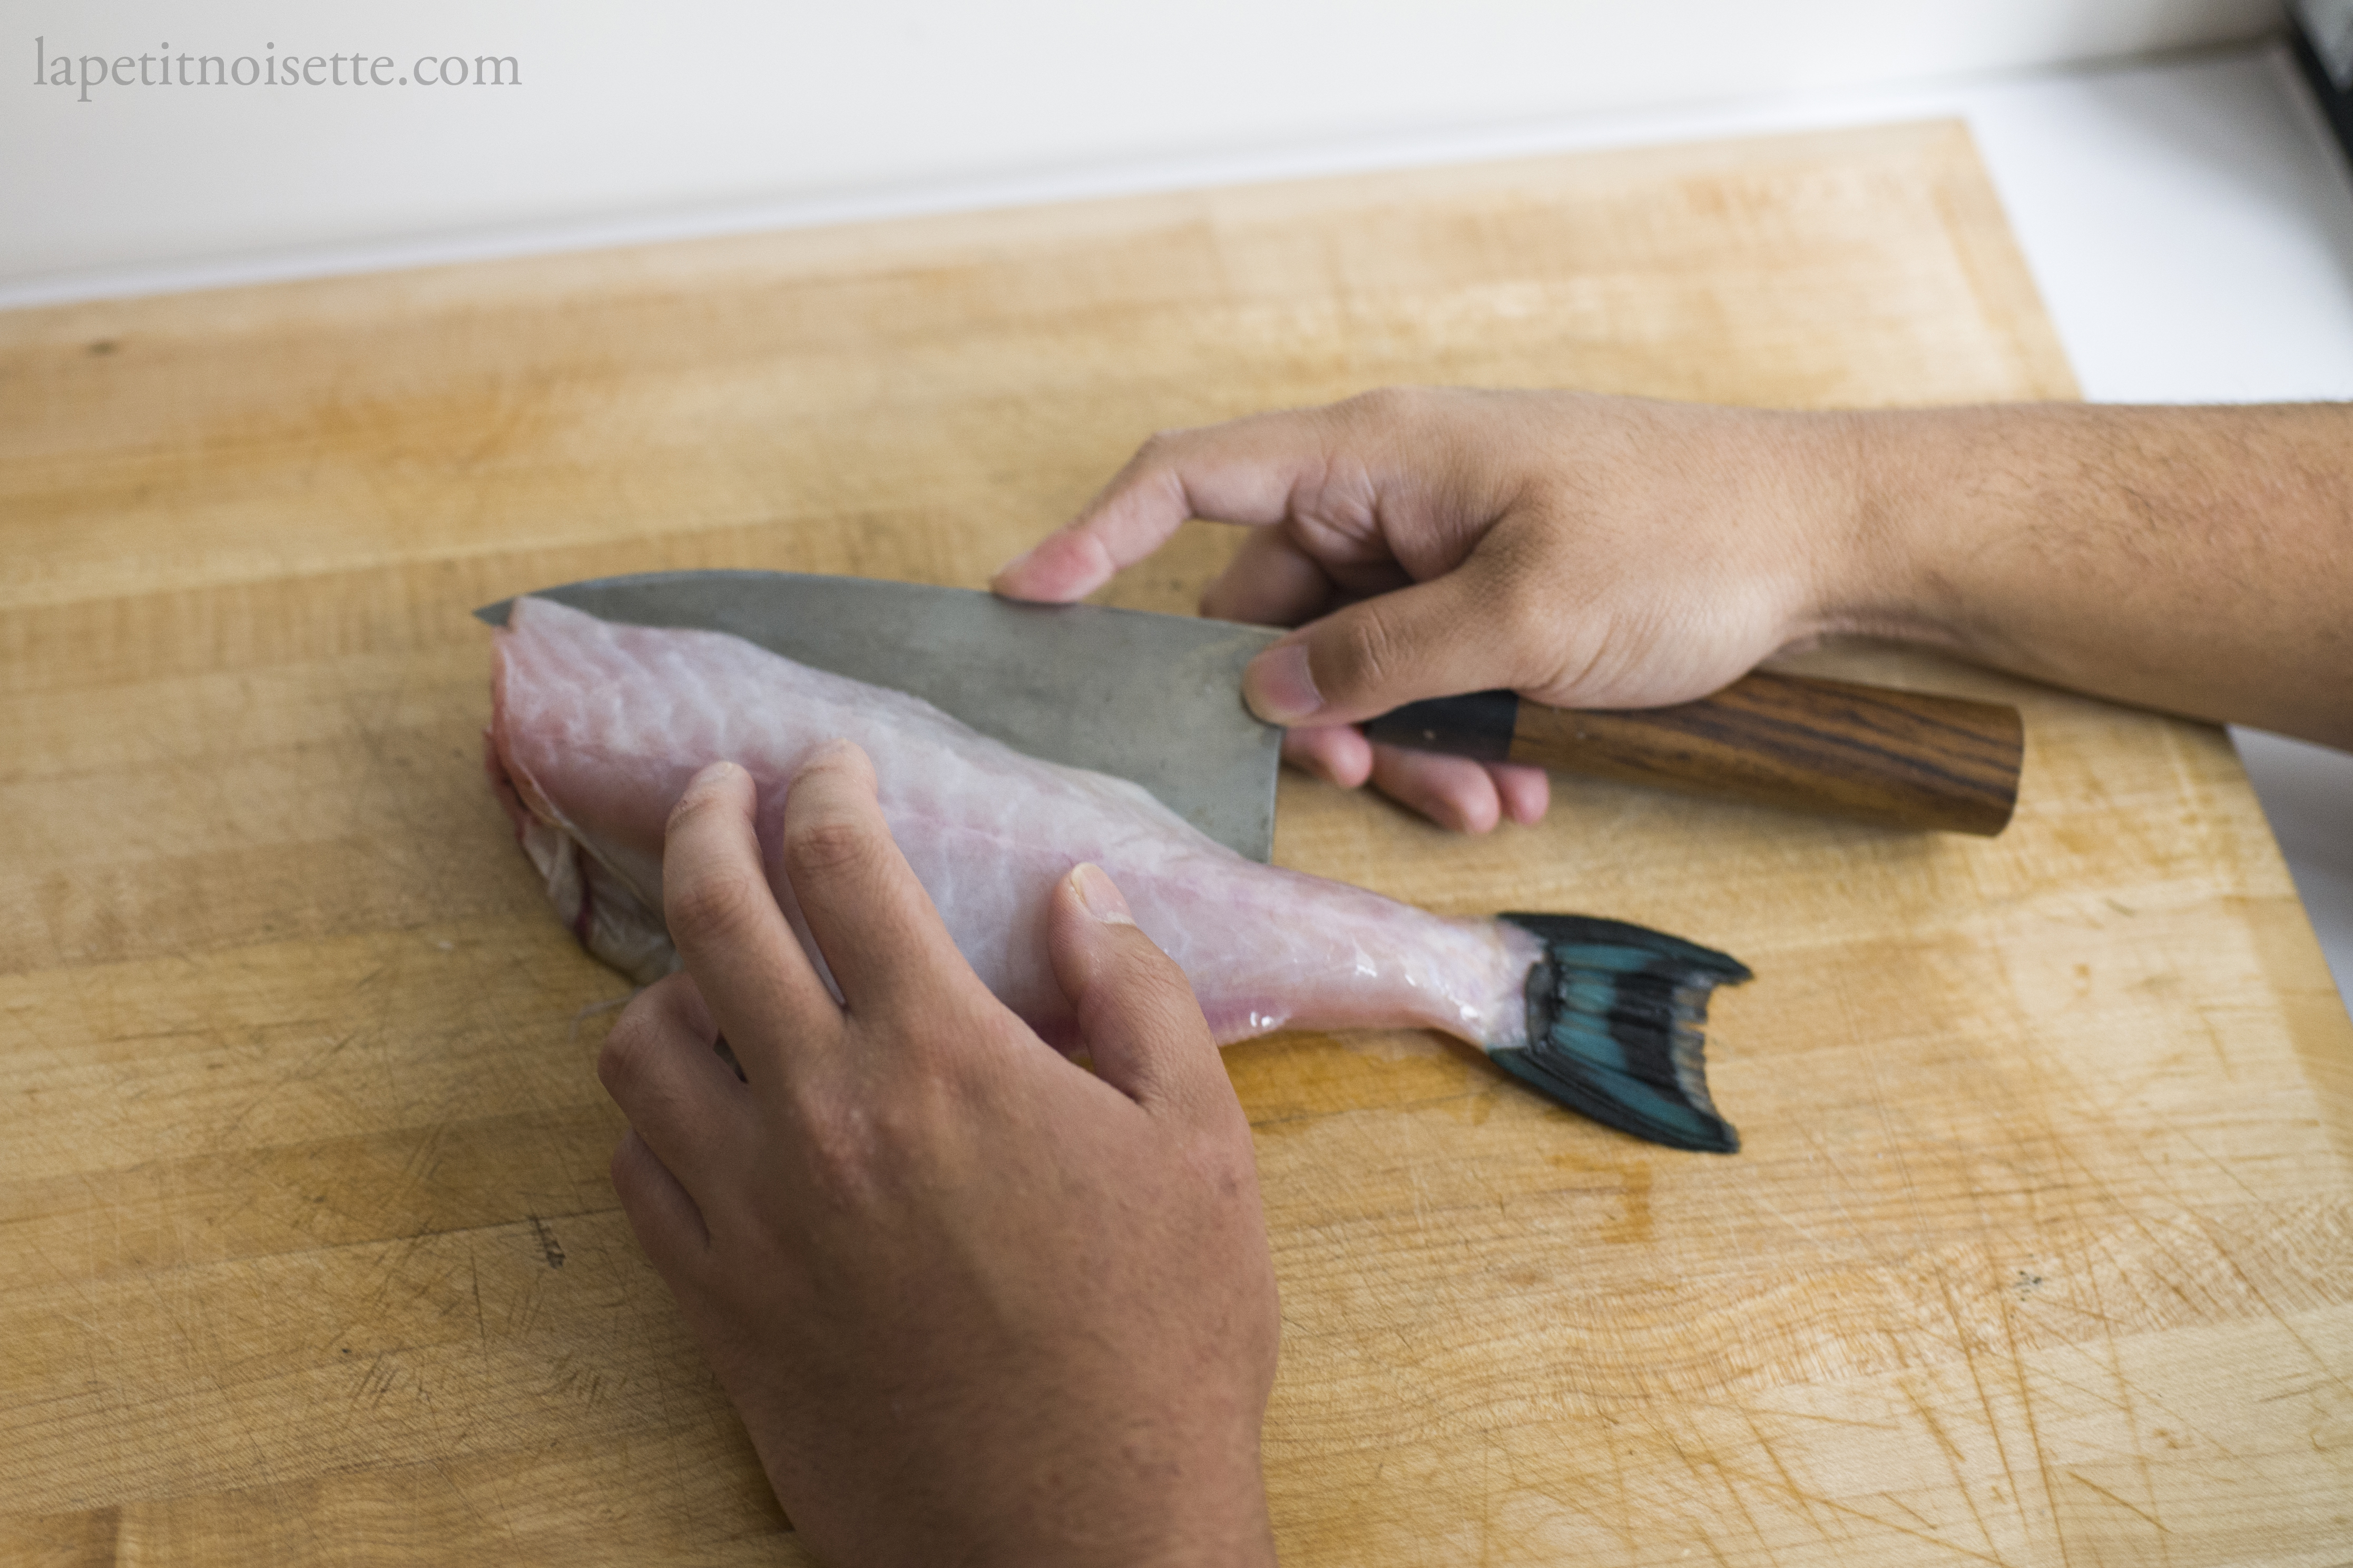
[{"x": 709, "y": 112}]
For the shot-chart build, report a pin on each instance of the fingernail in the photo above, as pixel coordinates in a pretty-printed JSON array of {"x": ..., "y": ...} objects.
[
  {"x": 1100, "y": 894},
  {"x": 709, "y": 776},
  {"x": 1278, "y": 687},
  {"x": 706, "y": 781}
]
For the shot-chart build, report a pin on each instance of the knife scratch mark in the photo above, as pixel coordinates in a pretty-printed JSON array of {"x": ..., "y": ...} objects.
[
  {"x": 1788, "y": 1481},
  {"x": 474, "y": 1277},
  {"x": 2078, "y": 1478},
  {"x": 2033, "y": 1436},
  {"x": 548, "y": 1245}
]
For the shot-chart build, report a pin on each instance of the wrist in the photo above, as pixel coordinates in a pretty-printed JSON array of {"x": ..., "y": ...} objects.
[
  {"x": 1243, "y": 1539},
  {"x": 1869, "y": 535},
  {"x": 1187, "y": 1510},
  {"x": 1226, "y": 1525}
]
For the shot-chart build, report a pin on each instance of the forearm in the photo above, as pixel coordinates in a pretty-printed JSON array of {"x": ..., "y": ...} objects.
[{"x": 2194, "y": 560}]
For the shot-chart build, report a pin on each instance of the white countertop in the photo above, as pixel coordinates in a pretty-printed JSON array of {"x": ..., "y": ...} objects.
[{"x": 2191, "y": 226}]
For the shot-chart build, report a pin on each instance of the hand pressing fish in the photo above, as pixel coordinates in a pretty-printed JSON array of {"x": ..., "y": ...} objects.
[{"x": 596, "y": 727}]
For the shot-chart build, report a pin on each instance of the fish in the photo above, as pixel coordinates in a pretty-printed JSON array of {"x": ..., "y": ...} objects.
[{"x": 596, "y": 727}]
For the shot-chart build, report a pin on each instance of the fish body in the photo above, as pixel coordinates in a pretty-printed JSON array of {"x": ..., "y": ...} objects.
[{"x": 597, "y": 727}]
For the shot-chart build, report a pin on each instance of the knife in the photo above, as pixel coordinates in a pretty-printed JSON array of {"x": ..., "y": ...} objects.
[{"x": 1157, "y": 699}]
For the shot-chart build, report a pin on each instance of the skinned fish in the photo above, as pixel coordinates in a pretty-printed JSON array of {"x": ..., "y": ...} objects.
[{"x": 596, "y": 727}]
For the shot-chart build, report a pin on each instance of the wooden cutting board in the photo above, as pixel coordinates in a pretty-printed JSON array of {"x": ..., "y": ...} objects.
[{"x": 2040, "y": 1250}]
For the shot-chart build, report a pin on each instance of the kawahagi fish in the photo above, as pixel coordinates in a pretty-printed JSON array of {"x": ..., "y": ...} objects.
[{"x": 596, "y": 729}]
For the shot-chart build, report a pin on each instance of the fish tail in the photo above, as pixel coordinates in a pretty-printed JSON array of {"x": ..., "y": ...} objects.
[{"x": 1614, "y": 1017}]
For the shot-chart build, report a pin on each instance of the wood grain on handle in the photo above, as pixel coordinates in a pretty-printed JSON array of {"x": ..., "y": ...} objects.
[{"x": 1900, "y": 759}]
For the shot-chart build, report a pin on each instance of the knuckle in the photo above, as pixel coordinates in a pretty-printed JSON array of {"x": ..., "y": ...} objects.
[
  {"x": 1385, "y": 406},
  {"x": 615, "y": 1066},
  {"x": 1146, "y": 986},
  {"x": 714, "y": 907},
  {"x": 840, "y": 1146},
  {"x": 1161, "y": 987},
  {"x": 1165, "y": 446},
  {"x": 619, "y": 1058},
  {"x": 1218, "y": 1151},
  {"x": 1155, "y": 456},
  {"x": 1156, "y": 465},
  {"x": 1370, "y": 648}
]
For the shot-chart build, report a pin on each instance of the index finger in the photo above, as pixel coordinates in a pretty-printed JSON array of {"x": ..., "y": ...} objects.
[
  {"x": 1246, "y": 470},
  {"x": 730, "y": 933}
]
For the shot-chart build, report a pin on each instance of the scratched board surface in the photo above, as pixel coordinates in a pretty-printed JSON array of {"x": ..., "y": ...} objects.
[{"x": 2040, "y": 1249}]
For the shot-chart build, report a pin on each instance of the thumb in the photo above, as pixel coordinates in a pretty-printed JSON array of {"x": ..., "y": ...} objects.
[
  {"x": 1136, "y": 1010},
  {"x": 1452, "y": 634}
]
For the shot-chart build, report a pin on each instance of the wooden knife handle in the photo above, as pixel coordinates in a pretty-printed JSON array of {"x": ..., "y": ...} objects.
[{"x": 1900, "y": 759}]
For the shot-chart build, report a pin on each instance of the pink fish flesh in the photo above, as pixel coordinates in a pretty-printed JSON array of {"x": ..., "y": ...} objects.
[{"x": 596, "y": 727}]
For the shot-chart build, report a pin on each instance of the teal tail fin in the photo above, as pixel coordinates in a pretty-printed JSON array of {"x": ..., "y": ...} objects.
[{"x": 1614, "y": 1019}]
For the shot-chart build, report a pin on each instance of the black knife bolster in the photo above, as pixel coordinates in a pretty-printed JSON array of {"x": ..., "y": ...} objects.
[{"x": 1478, "y": 726}]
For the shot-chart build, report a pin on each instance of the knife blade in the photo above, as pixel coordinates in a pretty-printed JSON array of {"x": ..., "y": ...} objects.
[{"x": 1150, "y": 698}]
